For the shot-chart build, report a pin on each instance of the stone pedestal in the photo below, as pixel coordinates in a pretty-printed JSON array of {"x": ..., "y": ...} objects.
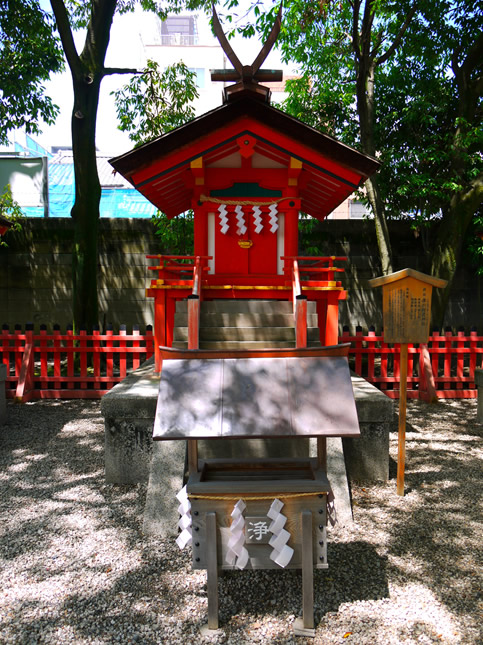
[
  {"x": 367, "y": 456},
  {"x": 132, "y": 456},
  {"x": 129, "y": 410}
]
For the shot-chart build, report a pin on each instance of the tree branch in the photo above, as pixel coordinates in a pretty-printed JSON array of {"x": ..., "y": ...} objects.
[
  {"x": 108, "y": 71},
  {"x": 65, "y": 32},
  {"x": 474, "y": 57},
  {"x": 396, "y": 42},
  {"x": 102, "y": 13},
  {"x": 355, "y": 28},
  {"x": 367, "y": 22}
]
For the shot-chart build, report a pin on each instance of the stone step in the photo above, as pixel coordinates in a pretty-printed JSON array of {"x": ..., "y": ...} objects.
[
  {"x": 245, "y": 306},
  {"x": 237, "y": 344},
  {"x": 245, "y": 333},
  {"x": 243, "y": 320}
]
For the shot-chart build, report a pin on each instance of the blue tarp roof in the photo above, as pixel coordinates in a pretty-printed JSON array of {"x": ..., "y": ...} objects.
[{"x": 118, "y": 197}]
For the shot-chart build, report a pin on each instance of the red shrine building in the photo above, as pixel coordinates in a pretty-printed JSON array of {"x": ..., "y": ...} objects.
[{"x": 247, "y": 170}]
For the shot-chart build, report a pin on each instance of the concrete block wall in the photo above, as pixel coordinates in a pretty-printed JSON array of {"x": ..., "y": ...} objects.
[{"x": 35, "y": 272}]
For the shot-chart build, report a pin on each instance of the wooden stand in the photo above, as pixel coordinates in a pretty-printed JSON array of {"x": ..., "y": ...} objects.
[
  {"x": 298, "y": 394},
  {"x": 299, "y": 483},
  {"x": 406, "y": 308}
]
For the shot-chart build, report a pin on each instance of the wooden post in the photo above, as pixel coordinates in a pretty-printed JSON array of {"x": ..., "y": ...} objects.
[
  {"x": 192, "y": 448},
  {"x": 193, "y": 322},
  {"x": 305, "y": 627},
  {"x": 212, "y": 570},
  {"x": 401, "y": 445},
  {"x": 322, "y": 452},
  {"x": 301, "y": 321}
]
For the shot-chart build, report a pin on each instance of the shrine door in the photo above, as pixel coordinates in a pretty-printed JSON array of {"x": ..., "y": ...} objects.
[{"x": 246, "y": 240}]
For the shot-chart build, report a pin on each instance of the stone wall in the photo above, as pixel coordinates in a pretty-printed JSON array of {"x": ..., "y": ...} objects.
[{"x": 35, "y": 272}]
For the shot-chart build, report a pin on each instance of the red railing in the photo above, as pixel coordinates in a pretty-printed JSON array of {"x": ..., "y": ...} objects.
[
  {"x": 65, "y": 365},
  {"x": 85, "y": 365},
  {"x": 452, "y": 360}
]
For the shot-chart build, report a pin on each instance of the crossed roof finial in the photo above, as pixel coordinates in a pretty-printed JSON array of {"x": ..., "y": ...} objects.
[{"x": 247, "y": 77}]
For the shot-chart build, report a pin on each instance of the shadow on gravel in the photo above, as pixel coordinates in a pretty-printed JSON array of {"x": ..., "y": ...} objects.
[{"x": 436, "y": 527}]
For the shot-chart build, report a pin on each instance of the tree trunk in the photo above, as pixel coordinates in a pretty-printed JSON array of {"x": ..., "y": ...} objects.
[
  {"x": 85, "y": 211},
  {"x": 365, "y": 66},
  {"x": 449, "y": 243},
  {"x": 87, "y": 71},
  {"x": 380, "y": 222}
]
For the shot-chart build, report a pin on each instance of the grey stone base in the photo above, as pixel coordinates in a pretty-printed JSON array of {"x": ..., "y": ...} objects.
[
  {"x": 129, "y": 410},
  {"x": 132, "y": 456}
]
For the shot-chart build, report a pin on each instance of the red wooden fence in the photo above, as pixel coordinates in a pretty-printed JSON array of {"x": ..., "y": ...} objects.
[
  {"x": 85, "y": 365},
  {"x": 68, "y": 366},
  {"x": 451, "y": 361}
]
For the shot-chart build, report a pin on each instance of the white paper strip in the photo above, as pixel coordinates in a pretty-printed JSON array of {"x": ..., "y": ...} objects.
[
  {"x": 236, "y": 553},
  {"x": 273, "y": 218},
  {"x": 281, "y": 553},
  {"x": 275, "y": 508},
  {"x": 257, "y": 219},
  {"x": 279, "y": 540},
  {"x": 331, "y": 510},
  {"x": 284, "y": 557},
  {"x": 240, "y": 218},
  {"x": 278, "y": 523},
  {"x": 224, "y": 226},
  {"x": 184, "y": 509},
  {"x": 184, "y": 538}
]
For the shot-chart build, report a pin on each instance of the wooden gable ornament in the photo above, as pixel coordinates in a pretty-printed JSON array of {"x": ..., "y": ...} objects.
[{"x": 406, "y": 305}]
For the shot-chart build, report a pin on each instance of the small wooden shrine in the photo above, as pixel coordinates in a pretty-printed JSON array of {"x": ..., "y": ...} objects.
[{"x": 247, "y": 171}]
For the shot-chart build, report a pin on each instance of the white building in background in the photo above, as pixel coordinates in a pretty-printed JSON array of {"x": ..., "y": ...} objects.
[{"x": 186, "y": 38}]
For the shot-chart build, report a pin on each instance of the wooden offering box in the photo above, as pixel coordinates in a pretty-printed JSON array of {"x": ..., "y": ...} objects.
[
  {"x": 260, "y": 394},
  {"x": 300, "y": 484}
]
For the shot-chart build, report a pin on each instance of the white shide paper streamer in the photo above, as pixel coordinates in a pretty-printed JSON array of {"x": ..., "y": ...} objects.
[
  {"x": 184, "y": 509},
  {"x": 257, "y": 219},
  {"x": 282, "y": 553},
  {"x": 224, "y": 226},
  {"x": 273, "y": 218},
  {"x": 240, "y": 218},
  {"x": 237, "y": 553}
]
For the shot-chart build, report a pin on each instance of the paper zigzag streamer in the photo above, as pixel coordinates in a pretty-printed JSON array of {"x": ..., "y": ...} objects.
[
  {"x": 184, "y": 509},
  {"x": 282, "y": 553},
  {"x": 331, "y": 509},
  {"x": 257, "y": 218},
  {"x": 240, "y": 218},
  {"x": 273, "y": 218},
  {"x": 224, "y": 226},
  {"x": 237, "y": 553}
]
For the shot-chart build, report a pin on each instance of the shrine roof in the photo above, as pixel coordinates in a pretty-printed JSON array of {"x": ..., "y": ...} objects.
[{"x": 160, "y": 170}]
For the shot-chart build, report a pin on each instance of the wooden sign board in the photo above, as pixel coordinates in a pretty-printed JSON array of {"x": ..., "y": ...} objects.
[{"x": 406, "y": 305}]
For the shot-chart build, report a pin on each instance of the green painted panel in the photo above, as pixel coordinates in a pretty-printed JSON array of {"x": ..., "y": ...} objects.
[{"x": 245, "y": 190}]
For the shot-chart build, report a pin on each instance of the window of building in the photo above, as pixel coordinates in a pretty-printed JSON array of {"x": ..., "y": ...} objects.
[{"x": 179, "y": 30}]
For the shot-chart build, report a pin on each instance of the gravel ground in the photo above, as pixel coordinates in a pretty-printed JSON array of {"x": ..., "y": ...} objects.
[{"x": 76, "y": 567}]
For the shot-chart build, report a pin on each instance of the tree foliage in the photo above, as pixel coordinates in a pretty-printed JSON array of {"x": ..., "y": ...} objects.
[
  {"x": 29, "y": 53},
  {"x": 87, "y": 68},
  {"x": 403, "y": 80},
  {"x": 156, "y": 101},
  {"x": 11, "y": 211}
]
